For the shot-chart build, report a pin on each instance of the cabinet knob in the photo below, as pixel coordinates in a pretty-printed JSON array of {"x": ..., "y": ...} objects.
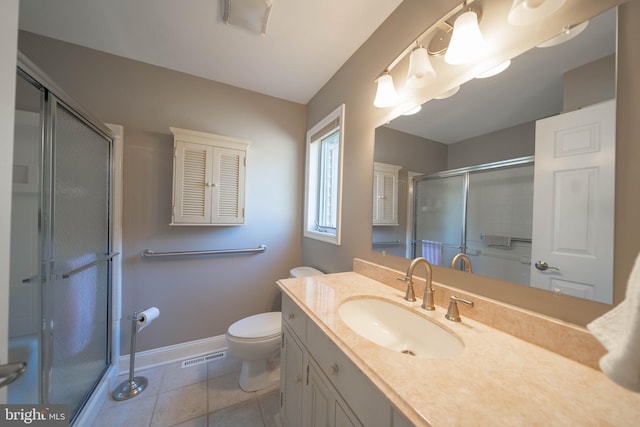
[
  {"x": 335, "y": 369},
  {"x": 291, "y": 316},
  {"x": 210, "y": 184},
  {"x": 298, "y": 378}
]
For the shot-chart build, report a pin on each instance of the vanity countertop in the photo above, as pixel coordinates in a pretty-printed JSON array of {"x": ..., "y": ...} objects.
[{"x": 497, "y": 380}]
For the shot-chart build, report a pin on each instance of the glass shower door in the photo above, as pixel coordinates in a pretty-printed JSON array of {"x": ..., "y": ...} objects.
[
  {"x": 439, "y": 218},
  {"x": 77, "y": 297},
  {"x": 25, "y": 273}
]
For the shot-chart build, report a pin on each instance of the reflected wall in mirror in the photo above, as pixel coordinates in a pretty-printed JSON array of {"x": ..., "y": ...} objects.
[{"x": 490, "y": 213}]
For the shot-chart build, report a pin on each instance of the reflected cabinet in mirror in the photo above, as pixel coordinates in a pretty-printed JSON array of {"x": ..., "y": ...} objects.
[{"x": 515, "y": 170}]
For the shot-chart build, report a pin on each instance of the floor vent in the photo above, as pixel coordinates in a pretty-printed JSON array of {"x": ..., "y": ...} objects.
[{"x": 204, "y": 359}]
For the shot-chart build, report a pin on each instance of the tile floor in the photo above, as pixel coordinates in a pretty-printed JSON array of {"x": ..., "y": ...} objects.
[{"x": 206, "y": 395}]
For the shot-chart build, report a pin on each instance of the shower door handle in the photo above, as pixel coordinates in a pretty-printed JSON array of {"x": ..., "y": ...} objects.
[
  {"x": 11, "y": 372},
  {"x": 87, "y": 266}
]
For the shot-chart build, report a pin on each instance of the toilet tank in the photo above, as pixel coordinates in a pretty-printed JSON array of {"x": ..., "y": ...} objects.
[{"x": 304, "y": 271}]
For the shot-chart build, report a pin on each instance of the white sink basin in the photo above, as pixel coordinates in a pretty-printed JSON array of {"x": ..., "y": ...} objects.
[{"x": 399, "y": 329}]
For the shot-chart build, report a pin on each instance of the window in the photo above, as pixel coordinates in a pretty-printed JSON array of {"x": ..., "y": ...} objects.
[{"x": 323, "y": 193}]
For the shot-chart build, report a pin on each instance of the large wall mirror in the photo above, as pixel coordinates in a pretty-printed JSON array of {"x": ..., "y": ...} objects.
[{"x": 461, "y": 175}]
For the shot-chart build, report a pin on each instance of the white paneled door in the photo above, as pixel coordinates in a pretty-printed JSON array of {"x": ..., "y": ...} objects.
[{"x": 573, "y": 203}]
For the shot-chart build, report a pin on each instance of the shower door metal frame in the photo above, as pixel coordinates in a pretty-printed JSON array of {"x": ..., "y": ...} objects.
[
  {"x": 53, "y": 96},
  {"x": 466, "y": 172}
]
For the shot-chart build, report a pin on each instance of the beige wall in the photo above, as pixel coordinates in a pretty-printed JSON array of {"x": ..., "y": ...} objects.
[
  {"x": 592, "y": 83},
  {"x": 197, "y": 297},
  {"x": 412, "y": 152},
  {"x": 353, "y": 85},
  {"x": 509, "y": 143}
]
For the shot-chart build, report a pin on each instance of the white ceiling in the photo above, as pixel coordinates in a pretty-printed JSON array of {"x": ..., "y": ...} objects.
[{"x": 306, "y": 43}]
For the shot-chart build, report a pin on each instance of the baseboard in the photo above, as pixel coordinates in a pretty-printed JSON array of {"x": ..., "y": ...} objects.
[{"x": 173, "y": 353}]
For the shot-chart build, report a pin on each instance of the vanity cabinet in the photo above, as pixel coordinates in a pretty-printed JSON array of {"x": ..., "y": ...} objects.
[
  {"x": 385, "y": 193},
  {"x": 319, "y": 384},
  {"x": 208, "y": 179}
]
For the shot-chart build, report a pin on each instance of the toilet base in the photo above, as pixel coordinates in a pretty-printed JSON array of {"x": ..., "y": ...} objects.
[{"x": 258, "y": 374}]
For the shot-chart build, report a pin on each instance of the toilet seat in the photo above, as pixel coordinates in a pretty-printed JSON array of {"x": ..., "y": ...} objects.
[{"x": 257, "y": 327}]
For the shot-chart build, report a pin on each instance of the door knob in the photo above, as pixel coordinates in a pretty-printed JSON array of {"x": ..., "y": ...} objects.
[{"x": 543, "y": 266}]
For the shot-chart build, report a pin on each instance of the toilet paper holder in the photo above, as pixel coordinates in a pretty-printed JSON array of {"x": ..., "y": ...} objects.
[{"x": 133, "y": 386}]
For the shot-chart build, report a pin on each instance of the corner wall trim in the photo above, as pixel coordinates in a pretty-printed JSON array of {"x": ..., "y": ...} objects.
[{"x": 173, "y": 353}]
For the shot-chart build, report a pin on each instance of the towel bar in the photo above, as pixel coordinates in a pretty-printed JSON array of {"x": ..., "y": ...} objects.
[{"x": 148, "y": 253}]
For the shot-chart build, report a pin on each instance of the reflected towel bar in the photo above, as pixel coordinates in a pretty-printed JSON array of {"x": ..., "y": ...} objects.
[
  {"x": 148, "y": 253},
  {"x": 513, "y": 239},
  {"x": 393, "y": 243},
  {"x": 444, "y": 245}
]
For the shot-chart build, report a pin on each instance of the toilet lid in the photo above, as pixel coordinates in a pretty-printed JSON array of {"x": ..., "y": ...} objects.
[
  {"x": 304, "y": 271},
  {"x": 257, "y": 326}
]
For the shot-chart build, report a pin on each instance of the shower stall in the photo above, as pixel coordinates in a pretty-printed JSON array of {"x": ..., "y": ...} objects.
[
  {"x": 60, "y": 307},
  {"x": 483, "y": 211}
]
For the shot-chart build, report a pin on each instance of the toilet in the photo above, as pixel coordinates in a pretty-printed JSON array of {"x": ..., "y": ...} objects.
[{"x": 255, "y": 340}]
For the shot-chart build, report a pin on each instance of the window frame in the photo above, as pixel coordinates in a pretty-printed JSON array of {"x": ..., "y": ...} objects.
[{"x": 332, "y": 123}]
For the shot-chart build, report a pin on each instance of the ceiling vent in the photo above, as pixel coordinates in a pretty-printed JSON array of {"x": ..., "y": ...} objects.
[{"x": 252, "y": 15}]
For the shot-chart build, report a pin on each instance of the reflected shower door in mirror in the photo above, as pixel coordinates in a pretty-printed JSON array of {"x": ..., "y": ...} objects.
[
  {"x": 484, "y": 212},
  {"x": 439, "y": 218},
  {"x": 494, "y": 119}
]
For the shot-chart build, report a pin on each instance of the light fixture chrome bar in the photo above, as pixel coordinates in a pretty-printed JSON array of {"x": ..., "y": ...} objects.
[
  {"x": 148, "y": 253},
  {"x": 89, "y": 265},
  {"x": 441, "y": 24}
]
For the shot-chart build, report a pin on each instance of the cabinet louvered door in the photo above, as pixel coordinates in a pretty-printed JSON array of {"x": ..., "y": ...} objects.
[
  {"x": 228, "y": 186},
  {"x": 385, "y": 194},
  {"x": 193, "y": 183},
  {"x": 389, "y": 205},
  {"x": 376, "y": 197}
]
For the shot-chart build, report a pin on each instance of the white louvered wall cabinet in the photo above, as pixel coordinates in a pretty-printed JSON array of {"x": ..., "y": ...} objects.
[
  {"x": 385, "y": 193},
  {"x": 208, "y": 178}
]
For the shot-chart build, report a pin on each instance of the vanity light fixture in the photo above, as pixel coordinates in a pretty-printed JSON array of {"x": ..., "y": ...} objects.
[
  {"x": 462, "y": 42},
  {"x": 467, "y": 44},
  {"x": 420, "y": 69},
  {"x": 527, "y": 12},
  {"x": 567, "y": 34},
  {"x": 386, "y": 95},
  {"x": 495, "y": 70}
]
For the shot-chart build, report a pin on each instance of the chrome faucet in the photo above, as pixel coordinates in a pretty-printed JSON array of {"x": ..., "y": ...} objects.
[
  {"x": 427, "y": 300},
  {"x": 465, "y": 259}
]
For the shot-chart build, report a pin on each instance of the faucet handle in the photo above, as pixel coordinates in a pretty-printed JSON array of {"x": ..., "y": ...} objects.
[
  {"x": 410, "y": 294},
  {"x": 452, "y": 312}
]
